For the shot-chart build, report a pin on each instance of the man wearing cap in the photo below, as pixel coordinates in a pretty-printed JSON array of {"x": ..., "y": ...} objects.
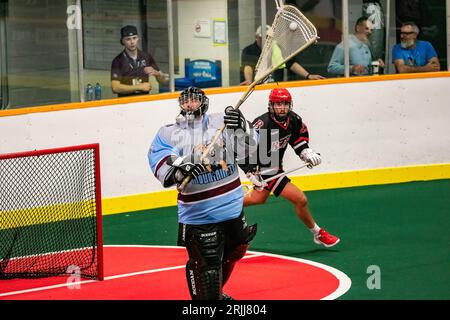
[
  {"x": 130, "y": 70},
  {"x": 250, "y": 56}
]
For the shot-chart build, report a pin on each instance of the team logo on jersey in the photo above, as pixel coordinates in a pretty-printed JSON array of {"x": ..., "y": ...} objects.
[
  {"x": 280, "y": 144},
  {"x": 258, "y": 124}
]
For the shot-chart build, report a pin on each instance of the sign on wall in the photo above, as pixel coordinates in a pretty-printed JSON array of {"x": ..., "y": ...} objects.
[
  {"x": 220, "y": 32},
  {"x": 202, "y": 28}
]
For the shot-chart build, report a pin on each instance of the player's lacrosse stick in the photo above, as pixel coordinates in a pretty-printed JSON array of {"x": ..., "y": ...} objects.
[
  {"x": 249, "y": 189},
  {"x": 290, "y": 34}
]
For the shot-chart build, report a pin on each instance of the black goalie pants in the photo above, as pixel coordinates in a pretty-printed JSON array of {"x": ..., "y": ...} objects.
[{"x": 213, "y": 251}]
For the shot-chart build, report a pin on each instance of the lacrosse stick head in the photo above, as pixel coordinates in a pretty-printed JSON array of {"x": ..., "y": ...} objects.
[{"x": 291, "y": 32}]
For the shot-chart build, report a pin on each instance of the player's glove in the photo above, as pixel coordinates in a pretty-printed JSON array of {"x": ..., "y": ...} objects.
[
  {"x": 311, "y": 157},
  {"x": 256, "y": 180},
  {"x": 234, "y": 119},
  {"x": 183, "y": 167}
]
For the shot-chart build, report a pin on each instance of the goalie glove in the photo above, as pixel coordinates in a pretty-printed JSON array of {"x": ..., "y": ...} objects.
[
  {"x": 181, "y": 168},
  {"x": 311, "y": 157},
  {"x": 234, "y": 119}
]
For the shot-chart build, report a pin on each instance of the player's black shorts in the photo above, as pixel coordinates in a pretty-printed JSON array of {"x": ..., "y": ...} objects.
[
  {"x": 276, "y": 186},
  {"x": 235, "y": 231}
]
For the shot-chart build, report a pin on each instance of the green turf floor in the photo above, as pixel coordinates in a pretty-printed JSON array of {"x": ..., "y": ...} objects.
[{"x": 404, "y": 229}]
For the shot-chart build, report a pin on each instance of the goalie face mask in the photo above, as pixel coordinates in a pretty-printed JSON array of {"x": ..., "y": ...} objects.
[
  {"x": 280, "y": 103},
  {"x": 193, "y": 103}
]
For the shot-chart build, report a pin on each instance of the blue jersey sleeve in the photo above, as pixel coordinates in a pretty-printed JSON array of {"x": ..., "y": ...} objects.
[{"x": 160, "y": 151}]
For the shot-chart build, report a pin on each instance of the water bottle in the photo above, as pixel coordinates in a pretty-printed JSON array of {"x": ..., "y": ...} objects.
[
  {"x": 89, "y": 92},
  {"x": 98, "y": 91}
]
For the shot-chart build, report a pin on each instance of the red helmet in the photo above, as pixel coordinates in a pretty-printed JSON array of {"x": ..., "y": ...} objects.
[{"x": 279, "y": 95}]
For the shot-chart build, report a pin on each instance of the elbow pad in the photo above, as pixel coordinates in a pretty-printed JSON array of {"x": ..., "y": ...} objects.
[{"x": 173, "y": 175}]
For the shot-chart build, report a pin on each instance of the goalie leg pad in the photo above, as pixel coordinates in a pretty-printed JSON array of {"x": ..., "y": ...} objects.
[
  {"x": 231, "y": 259},
  {"x": 235, "y": 250},
  {"x": 205, "y": 245}
]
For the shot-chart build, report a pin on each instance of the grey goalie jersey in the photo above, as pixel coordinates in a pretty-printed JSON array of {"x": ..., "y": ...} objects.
[{"x": 211, "y": 197}]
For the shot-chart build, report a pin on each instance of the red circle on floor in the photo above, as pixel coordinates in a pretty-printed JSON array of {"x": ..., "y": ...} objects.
[{"x": 158, "y": 273}]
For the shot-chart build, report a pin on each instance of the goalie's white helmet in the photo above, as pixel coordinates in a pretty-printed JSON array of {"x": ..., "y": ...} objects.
[
  {"x": 193, "y": 103},
  {"x": 279, "y": 95}
]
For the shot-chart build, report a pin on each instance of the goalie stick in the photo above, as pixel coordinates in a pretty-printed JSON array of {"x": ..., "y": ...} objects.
[{"x": 284, "y": 39}]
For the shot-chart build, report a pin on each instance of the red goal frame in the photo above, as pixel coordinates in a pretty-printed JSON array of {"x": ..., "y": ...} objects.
[{"x": 98, "y": 194}]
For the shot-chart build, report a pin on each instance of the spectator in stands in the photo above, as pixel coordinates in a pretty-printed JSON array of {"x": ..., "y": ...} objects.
[
  {"x": 359, "y": 51},
  {"x": 412, "y": 55},
  {"x": 250, "y": 56},
  {"x": 132, "y": 68}
]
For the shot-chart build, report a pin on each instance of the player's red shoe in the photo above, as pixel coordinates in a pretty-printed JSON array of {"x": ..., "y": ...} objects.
[{"x": 326, "y": 239}]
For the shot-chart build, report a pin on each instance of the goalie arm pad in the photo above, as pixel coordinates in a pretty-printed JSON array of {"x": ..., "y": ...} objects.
[{"x": 170, "y": 179}]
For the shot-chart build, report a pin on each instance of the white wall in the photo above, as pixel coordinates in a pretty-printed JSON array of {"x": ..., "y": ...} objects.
[
  {"x": 354, "y": 126},
  {"x": 189, "y": 46}
]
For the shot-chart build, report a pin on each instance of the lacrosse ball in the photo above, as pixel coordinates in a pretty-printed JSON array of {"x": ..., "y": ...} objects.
[{"x": 293, "y": 26}]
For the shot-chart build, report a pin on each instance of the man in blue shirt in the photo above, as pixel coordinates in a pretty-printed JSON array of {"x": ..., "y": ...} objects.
[
  {"x": 412, "y": 55},
  {"x": 360, "y": 54}
]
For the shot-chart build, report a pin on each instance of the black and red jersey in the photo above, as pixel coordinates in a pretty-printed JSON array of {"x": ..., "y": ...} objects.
[{"x": 277, "y": 135}]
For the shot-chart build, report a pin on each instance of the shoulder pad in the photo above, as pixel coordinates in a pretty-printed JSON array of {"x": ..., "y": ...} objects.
[
  {"x": 296, "y": 116},
  {"x": 258, "y": 123}
]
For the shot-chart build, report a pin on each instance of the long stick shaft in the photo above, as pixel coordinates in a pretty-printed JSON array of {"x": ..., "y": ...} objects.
[
  {"x": 285, "y": 172},
  {"x": 241, "y": 101},
  {"x": 249, "y": 189}
]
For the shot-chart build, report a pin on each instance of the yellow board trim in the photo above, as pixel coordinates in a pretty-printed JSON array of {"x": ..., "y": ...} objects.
[{"x": 306, "y": 183}]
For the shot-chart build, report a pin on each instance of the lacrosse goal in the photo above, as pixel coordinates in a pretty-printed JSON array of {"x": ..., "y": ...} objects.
[{"x": 50, "y": 213}]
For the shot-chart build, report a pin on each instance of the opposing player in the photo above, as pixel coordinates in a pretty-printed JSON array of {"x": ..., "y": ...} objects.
[
  {"x": 287, "y": 127},
  {"x": 212, "y": 225}
]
